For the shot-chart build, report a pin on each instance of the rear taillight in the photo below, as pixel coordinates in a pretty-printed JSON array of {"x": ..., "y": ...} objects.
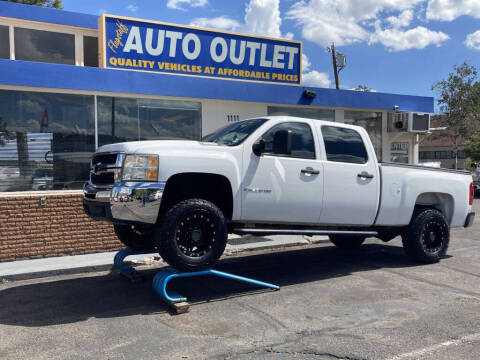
[{"x": 472, "y": 191}]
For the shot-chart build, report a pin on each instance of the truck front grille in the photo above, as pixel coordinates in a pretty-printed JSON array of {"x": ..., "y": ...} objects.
[
  {"x": 105, "y": 179},
  {"x": 104, "y": 165},
  {"x": 107, "y": 159}
]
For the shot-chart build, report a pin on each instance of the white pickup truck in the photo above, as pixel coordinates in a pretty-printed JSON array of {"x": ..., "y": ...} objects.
[{"x": 271, "y": 175}]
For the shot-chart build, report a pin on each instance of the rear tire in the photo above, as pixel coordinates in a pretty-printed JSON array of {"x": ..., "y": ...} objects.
[
  {"x": 192, "y": 235},
  {"x": 347, "y": 242},
  {"x": 136, "y": 238},
  {"x": 427, "y": 237}
]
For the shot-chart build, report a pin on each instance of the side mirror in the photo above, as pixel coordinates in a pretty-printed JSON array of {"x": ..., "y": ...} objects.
[
  {"x": 282, "y": 142},
  {"x": 258, "y": 147}
]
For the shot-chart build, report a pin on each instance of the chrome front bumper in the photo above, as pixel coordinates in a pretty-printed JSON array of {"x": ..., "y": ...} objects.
[{"x": 126, "y": 202}]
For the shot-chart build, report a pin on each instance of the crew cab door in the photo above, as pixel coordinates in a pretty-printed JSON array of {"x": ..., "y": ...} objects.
[
  {"x": 280, "y": 187},
  {"x": 351, "y": 176}
]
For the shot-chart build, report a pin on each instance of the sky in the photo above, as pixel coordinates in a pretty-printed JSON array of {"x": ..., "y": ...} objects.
[{"x": 393, "y": 46}]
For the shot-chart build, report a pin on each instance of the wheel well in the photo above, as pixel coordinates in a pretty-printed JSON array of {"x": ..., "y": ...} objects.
[
  {"x": 211, "y": 187},
  {"x": 440, "y": 201}
]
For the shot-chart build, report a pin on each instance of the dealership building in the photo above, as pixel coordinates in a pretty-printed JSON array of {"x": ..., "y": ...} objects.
[{"x": 71, "y": 82}]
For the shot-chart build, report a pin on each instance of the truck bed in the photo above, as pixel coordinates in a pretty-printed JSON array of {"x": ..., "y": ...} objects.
[
  {"x": 403, "y": 186},
  {"x": 422, "y": 167}
]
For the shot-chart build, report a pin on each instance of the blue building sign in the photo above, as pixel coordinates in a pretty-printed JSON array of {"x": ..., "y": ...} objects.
[{"x": 159, "y": 47}]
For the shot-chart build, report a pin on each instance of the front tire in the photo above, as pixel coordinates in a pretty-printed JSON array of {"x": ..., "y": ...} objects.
[
  {"x": 347, "y": 242},
  {"x": 136, "y": 238},
  {"x": 426, "y": 238},
  {"x": 192, "y": 235}
]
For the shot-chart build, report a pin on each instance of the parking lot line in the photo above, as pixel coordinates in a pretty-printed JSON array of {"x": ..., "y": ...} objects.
[{"x": 416, "y": 353}]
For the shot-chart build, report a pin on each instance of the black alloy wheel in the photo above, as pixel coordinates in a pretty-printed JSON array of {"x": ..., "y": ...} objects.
[
  {"x": 192, "y": 235},
  {"x": 427, "y": 237},
  {"x": 433, "y": 237},
  {"x": 195, "y": 233}
]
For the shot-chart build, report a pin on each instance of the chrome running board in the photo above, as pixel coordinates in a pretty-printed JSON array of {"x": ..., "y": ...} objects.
[{"x": 263, "y": 232}]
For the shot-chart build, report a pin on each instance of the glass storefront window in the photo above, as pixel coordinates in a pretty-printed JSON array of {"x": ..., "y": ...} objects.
[
  {"x": 370, "y": 121},
  {"x": 90, "y": 51},
  {"x": 4, "y": 42},
  {"x": 427, "y": 155},
  {"x": 46, "y": 140},
  {"x": 310, "y": 113},
  {"x": 44, "y": 46},
  {"x": 127, "y": 119}
]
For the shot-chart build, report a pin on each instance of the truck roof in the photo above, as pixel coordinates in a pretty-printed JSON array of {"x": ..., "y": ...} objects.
[{"x": 281, "y": 118}]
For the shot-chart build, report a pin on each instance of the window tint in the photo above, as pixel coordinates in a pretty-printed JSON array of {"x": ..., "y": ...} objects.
[
  {"x": 4, "y": 43},
  {"x": 370, "y": 121},
  {"x": 302, "y": 140},
  {"x": 234, "y": 134},
  {"x": 44, "y": 46},
  {"x": 46, "y": 140},
  {"x": 344, "y": 145},
  {"x": 129, "y": 119},
  {"x": 90, "y": 51}
]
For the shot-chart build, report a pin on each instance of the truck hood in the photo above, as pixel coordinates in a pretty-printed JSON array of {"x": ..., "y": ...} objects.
[{"x": 156, "y": 146}]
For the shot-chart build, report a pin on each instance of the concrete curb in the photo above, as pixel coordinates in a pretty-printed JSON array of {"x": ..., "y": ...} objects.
[
  {"x": 70, "y": 265},
  {"x": 229, "y": 251},
  {"x": 49, "y": 273}
]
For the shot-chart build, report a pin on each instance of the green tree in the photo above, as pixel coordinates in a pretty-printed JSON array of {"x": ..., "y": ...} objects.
[
  {"x": 363, "y": 88},
  {"x": 459, "y": 102},
  {"x": 57, "y": 4},
  {"x": 472, "y": 148}
]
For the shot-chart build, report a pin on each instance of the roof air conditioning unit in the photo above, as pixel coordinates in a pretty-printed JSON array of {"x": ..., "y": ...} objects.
[{"x": 419, "y": 122}]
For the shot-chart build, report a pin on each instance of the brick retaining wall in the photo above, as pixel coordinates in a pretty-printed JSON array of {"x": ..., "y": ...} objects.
[{"x": 29, "y": 230}]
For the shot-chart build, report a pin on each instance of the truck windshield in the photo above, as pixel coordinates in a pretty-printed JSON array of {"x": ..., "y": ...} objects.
[{"x": 234, "y": 134}]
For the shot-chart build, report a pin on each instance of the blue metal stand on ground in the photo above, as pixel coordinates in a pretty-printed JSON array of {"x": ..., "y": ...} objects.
[
  {"x": 161, "y": 279},
  {"x": 126, "y": 271}
]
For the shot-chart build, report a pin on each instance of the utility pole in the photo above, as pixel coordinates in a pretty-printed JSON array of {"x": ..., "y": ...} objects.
[
  {"x": 338, "y": 61},
  {"x": 335, "y": 69}
]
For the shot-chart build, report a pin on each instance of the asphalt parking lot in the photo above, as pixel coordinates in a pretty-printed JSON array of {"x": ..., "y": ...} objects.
[{"x": 370, "y": 304}]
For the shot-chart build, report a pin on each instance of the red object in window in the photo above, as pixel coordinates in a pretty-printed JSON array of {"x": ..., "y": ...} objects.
[{"x": 472, "y": 191}]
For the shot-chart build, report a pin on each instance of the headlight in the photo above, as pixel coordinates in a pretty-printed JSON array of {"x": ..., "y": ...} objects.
[{"x": 140, "y": 167}]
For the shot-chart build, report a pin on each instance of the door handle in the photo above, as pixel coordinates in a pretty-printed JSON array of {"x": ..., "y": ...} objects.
[
  {"x": 365, "y": 175},
  {"x": 310, "y": 171}
]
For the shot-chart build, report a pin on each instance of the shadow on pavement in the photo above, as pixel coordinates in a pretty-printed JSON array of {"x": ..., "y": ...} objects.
[{"x": 100, "y": 296}]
